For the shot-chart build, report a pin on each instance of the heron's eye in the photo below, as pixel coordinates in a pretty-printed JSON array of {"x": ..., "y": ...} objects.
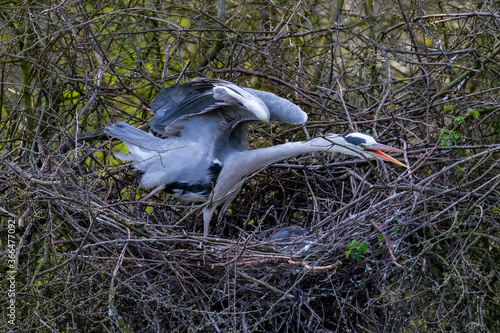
[{"x": 362, "y": 146}]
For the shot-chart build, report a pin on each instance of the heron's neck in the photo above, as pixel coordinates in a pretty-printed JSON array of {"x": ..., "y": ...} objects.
[
  {"x": 242, "y": 164},
  {"x": 264, "y": 156}
]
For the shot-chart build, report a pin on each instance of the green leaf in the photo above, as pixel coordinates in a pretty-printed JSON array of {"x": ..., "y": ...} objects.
[
  {"x": 473, "y": 113},
  {"x": 355, "y": 250},
  {"x": 458, "y": 119},
  {"x": 459, "y": 172},
  {"x": 448, "y": 107},
  {"x": 447, "y": 137}
]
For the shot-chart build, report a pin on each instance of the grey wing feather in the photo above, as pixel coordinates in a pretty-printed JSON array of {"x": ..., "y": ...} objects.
[
  {"x": 280, "y": 109},
  {"x": 202, "y": 95},
  {"x": 134, "y": 136},
  {"x": 180, "y": 100}
]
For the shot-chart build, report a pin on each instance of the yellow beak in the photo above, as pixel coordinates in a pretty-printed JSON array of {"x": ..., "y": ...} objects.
[{"x": 376, "y": 150}]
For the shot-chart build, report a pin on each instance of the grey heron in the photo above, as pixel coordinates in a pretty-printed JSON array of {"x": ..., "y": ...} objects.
[{"x": 202, "y": 154}]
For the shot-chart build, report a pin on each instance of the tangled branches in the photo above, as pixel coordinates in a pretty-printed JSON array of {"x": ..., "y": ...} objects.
[{"x": 371, "y": 247}]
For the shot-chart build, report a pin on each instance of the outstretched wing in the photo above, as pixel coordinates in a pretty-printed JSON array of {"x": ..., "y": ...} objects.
[
  {"x": 175, "y": 104},
  {"x": 181, "y": 101}
]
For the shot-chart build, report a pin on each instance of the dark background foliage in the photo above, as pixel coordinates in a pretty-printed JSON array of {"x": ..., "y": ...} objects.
[{"x": 422, "y": 76}]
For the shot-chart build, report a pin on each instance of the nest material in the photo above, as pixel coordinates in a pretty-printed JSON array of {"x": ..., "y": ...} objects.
[{"x": 95, "y": 255}]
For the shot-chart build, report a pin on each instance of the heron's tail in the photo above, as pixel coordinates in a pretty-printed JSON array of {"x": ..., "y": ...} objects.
[{"x": 141, "y": 145}]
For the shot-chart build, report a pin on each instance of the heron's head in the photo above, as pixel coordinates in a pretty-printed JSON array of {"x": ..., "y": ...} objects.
[{"x": 364, "y": 145}]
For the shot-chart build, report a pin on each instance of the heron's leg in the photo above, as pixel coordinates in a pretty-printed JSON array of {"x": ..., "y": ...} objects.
[
  {"x": 150, "y": 194},
  {"x": 207, "y": 216},
  {"x": 153, "y": 192},
  {"x": 205, "y": 229}
]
